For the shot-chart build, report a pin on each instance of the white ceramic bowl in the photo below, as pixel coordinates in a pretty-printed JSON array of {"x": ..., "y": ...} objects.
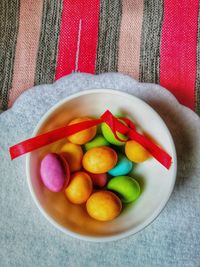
[{"x": 157, "y": 183}]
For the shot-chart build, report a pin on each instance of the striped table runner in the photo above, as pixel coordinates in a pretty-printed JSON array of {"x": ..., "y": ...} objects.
[{"x": 156, "y": 41}]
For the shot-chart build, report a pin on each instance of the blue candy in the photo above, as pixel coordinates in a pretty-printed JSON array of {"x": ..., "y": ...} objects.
[{"x": 123, "y": 166}]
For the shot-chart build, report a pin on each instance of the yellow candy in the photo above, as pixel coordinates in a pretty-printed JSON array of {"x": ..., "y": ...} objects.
[
  {"x": 99, "y": 159},
  {"x": 135, "y": 152},
  {"x": 103, "y": 206},
  {"x": 84, "y": 136},
  {"x": 73, "y": 154},
  {"x": 79, "y": 188}
]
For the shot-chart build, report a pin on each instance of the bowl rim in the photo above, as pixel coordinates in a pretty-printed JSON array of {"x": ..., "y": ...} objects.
[{"x": 113, "y": 237}]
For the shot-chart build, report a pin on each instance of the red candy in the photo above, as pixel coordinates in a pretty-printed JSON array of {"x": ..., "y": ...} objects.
[{"x": 99, "y": 180}]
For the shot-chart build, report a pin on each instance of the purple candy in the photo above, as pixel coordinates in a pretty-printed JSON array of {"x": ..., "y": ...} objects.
[{"x": 52, "y": 172}]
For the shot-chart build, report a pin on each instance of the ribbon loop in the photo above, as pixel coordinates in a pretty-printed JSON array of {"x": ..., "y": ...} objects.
[{"x": 158, "y": 153}]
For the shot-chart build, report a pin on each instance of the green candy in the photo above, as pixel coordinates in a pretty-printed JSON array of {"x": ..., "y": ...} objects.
[
  {"x": 108, "y": 134},
  {"x": 127, "y": 188},
  {"x": 97, "y": 142}
]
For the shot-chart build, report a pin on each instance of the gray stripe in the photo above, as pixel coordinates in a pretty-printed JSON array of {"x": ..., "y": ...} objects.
[
  {"x": 150, "y": 41},
  {"x": 9, "y": 24},
  {"x": 48, "y": 44},
  {"x": 197, "y": 87},
  {"x": 108, "y": 41}
]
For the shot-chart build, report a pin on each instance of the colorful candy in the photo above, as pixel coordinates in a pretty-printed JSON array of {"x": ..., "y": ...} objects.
[
  {"x": 103, "y": 206},
  {"x": 54, "y": 171},
  {"x": 91, "y": 169},
  {"x": 123, "y": 166},
  {"x": 99, "y": 159},
  {"x": 127, "y": 188},
  {"x": 79, "y": 188},
  {"x": 108, "y": 134},
  {"x": 99, "y": 179},
  {"x": 84, "y": 136},
  {"x": 135, "y": 152},
  {"x": 97, "y": 142},
  {"x": 73, "y": 154}
]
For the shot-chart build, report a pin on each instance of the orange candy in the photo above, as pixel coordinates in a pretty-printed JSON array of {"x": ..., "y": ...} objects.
[
  {"x": 84, "y": 136},
  {"x": 79, "y": 188},
  {"x": 103, "y": 206},
  {"x": 73, "y": 154},
  {"x": 136, "y": 152},
  {"x": 99, "y": 159}
]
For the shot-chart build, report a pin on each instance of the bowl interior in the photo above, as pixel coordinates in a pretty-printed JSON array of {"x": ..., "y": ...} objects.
[{"x": 156, "y": 182}]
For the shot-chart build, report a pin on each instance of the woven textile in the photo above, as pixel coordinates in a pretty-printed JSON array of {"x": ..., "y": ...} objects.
[{"x": 154, "y": 41}]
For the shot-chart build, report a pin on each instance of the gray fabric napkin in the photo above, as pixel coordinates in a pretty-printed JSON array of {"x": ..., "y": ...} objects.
[{"x": 27, "y": 239}]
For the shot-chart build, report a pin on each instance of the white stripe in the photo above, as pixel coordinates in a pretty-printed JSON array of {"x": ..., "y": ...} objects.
[{"x": 78, "y": 45}]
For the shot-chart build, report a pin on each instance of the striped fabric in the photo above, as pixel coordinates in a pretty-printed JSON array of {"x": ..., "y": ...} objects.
[
  {"x": 130, "y": 37},
  {"x": 155, "y": 41},
  {"x": 9, "y": 24},
  {"x": 150, "y": 44},
  {"x": 26, "y": 48},
  {"x": 109, "y": 30},
  {"x": 78, "y": 37},
  {"x": 48, "y": 44},
  {"x": 197, "y": 85},
  {"x": 178, "y": 68}
]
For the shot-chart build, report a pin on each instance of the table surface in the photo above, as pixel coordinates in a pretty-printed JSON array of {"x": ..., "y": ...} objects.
[{"x": 27, "y": 239}]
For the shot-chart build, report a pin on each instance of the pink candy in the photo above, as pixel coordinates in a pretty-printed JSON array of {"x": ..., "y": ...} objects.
[{"x": 54, "y": 171}]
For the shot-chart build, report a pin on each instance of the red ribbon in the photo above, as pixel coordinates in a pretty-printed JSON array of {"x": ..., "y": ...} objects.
[
  {"x": 127, "y": 129},
  {"x": 49, "y": 137}
]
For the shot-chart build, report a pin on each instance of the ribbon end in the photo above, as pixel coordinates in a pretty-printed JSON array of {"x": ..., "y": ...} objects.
[{"x": 11, "y": 154}]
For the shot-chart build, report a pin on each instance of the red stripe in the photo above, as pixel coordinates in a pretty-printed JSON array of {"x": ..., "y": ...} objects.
[
  {"x": 178, "y": 49},
  {"x": 75, "y": 14}
]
